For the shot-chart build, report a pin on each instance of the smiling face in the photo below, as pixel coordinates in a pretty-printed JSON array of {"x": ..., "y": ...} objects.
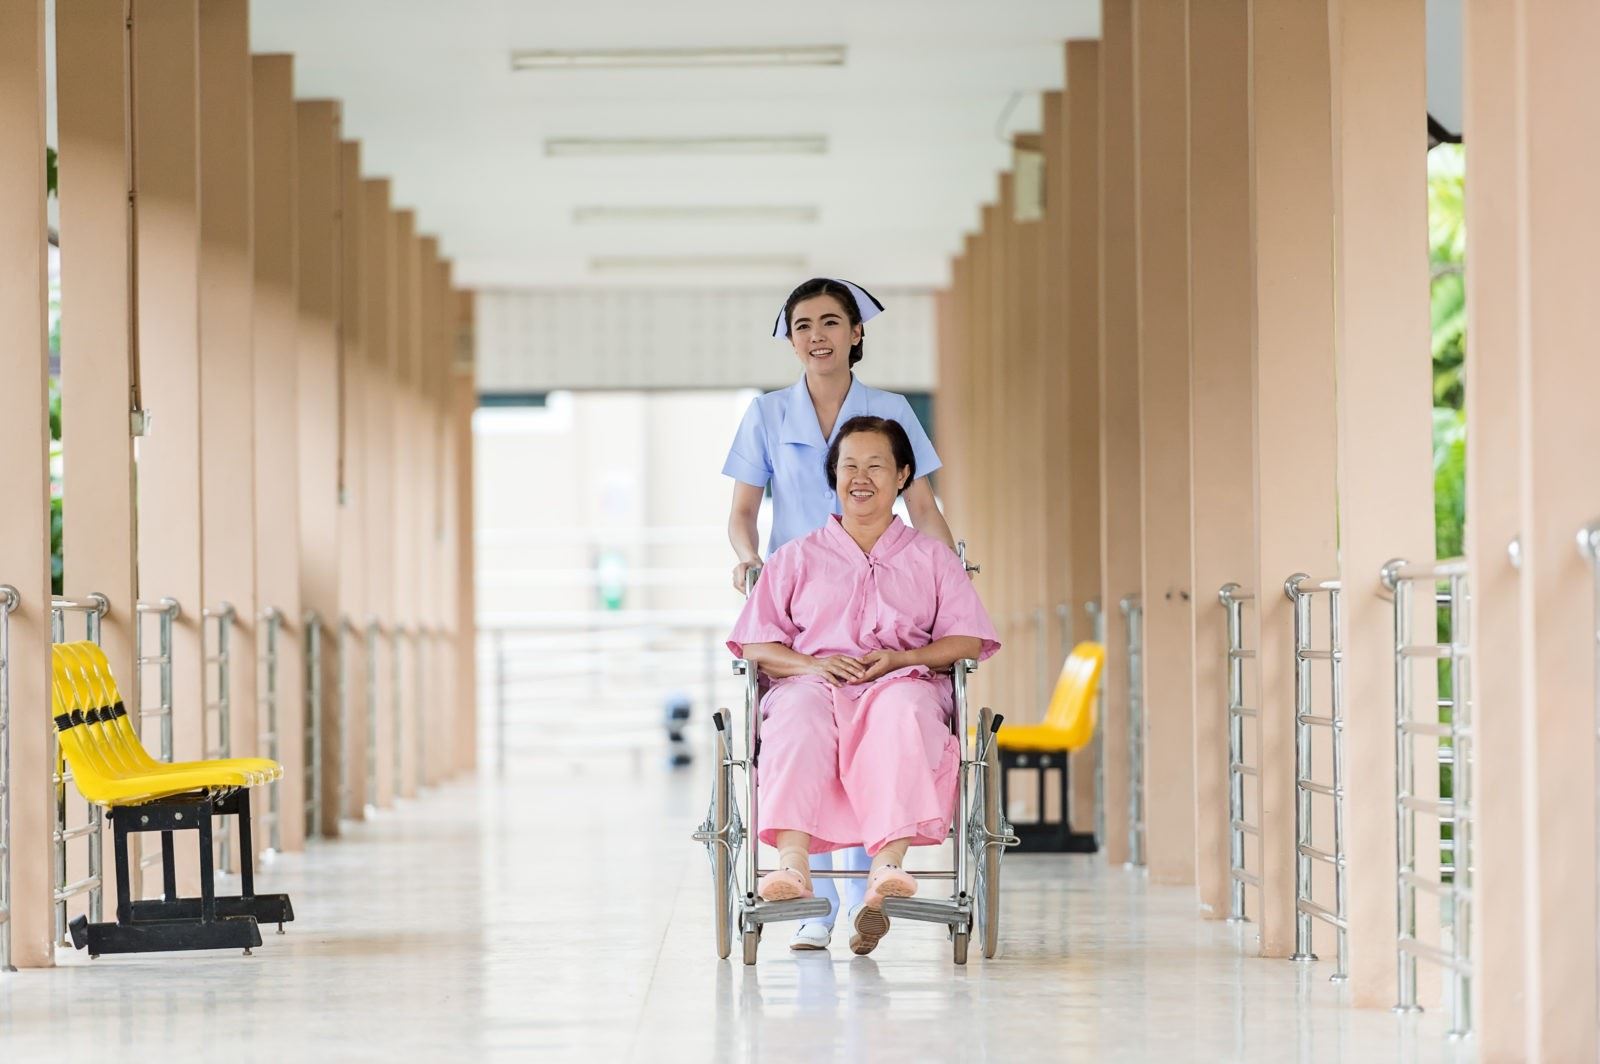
[
  {"x": 867, "y": 479},
  {"x": 822, "y": 335}
]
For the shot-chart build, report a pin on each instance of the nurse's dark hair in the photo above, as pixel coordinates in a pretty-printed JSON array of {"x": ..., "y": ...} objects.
[
  {"x": 899, "y": 445},
  {"x": 827, "y": 286}
]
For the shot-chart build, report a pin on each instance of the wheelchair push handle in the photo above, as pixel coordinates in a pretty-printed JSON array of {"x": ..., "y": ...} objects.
[
  {"x": 961, "y": 552},
  {"x": 751, "y": 575}
]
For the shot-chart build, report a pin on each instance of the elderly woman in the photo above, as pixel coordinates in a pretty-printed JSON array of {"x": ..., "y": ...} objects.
[{"x": 850, "y": 624}]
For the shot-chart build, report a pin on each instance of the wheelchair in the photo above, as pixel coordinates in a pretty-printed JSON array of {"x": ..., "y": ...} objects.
[{"x": 979, "y": 831}]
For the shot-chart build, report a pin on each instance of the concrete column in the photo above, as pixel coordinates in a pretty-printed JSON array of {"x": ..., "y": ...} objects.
[
  {"x": 353, "y": 389},
  {"x": 1496, "y": 282},
  {"x": 1295, "y": 425},
  {"x": 24, "y": 478},
  {"x": 170, "y": 520},
  {"x": 1222, "y": 417},
  {"x": 317, "y": 346},
  {"x": 276, "y": 374},
  {"x": 1121, "y": 493},
  {"x": 465, "y": 400},
  {"x": 1160, "y": 59},
  {"x": 1560, "y": 491},
  {"x": 1385, "y": 443},
  {"x": 1081, "y": 194},
  {"x": 1056, "y": 498},
  {"x": 227, "y": 380},
  {"x": 97, "y": 537},
  {"x": 378, "y": 428},
  {"x": 407, "y": 498}
]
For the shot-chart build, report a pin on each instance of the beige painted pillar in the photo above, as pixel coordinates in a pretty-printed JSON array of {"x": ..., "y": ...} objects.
[
  {"x": 167, "y": 176},
  {"x": 97, "y": 537},
  {"x": 1160, "y": 63},
  {"x": 275, "y": 328},
  {"x": 378, "y": 429},
  {"x": 1120, "y": 478},
  {"x": 24, "y": 478},
  {"x": 427, "y": 514},
  {"x": 1502, "y": 925},
  {"x": 319, "y": 415},
  {"x": 1293, "y": 363},
  {"x": 1385, "y": 432},
  {"x": 407, "y": 496},
  {"x": 1560, "y": 492},
  {"x": 227, "y": 379},
  {"x": 465, "y": 400},
  {"x": 1056, "y": 499},
  {"x": 353, "y": 388},
  {"x": 1222, "y": 416},
  {"x": 96, "y": 366},
  {"x": 1082, "y": 349}
]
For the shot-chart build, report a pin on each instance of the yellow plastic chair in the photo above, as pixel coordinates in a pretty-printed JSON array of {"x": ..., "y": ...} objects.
[
  {"x": 1070, "y": 721},
  {"x": 98, "y": 690}
]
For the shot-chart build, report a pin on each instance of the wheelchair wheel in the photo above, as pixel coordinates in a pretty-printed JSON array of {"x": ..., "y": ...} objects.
[
  {"x": 988, "y": 822},
  {"x": 724, "y": 893}
]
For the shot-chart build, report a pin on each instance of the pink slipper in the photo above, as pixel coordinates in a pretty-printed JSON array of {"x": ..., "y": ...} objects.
[
  {"x": 890, "y": 881},
  {"x": 782, "y": 884}
]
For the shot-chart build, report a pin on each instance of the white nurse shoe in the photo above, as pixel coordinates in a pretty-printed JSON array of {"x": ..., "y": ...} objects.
[{"x": 811, "y": 937}]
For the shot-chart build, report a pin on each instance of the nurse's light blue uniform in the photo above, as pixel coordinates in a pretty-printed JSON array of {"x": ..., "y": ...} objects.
[{"x": 780, "y": 442}]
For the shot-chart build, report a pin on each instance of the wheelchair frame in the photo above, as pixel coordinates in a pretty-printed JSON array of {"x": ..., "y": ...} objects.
[{"x": 979, "y": 830}]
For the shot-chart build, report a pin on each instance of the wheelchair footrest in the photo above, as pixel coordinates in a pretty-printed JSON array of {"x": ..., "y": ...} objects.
[
  {"x": 166, "y": 936},
  {"x": 265, "y": 908},
  {"x": 950, "y": 913},
  {"x": 769, "y": 912}
]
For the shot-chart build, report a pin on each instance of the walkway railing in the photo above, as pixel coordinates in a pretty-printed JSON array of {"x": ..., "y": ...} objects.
[
  {"x": 1240, "y": 827},
  {"x": 400, "y": 635},
  {"x": 1133, "y": 615},
  {"x": 92, "y": 609},
  {"x": 312, "y": 633},
  {"x": 10, "y": 599},
  {"x": 374, "y": 634},
  {"x": 167, "y": 611},
  {"x": 218, "y": 716},
  {"x": 347, "y": 635},
  {"x": 271, "y": 620},
  {"x": 1097, "y": 632},
  {"x": 1300, "y": 590},
  {"x": 421, "y": 646},
  {"x": 1446, "y": 582}
]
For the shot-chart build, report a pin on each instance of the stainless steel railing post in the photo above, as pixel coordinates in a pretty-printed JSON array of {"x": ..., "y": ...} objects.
[
  {"x": 345, "y": 636},
  {"x": 312, "y": 623},
  {"x": 374, "y": 637},
  {"x": 166, "y": 611},
  {"x": 1454, "y": 885},
  {"x": 1240, "y": 827},
  {"x": 271, "y": 620},
  {"x": 10, "y": 599},
  {"x": 1299, "y": 588},
  {"x": 1133, "y": 619},
  {"x": 398, "y": 639},
  {"x": 219, "y": 741},
  {"x": 1097, "y": 632},
  {"x": 93, "y": 608},
  {"x": 1589, "y": 547}
]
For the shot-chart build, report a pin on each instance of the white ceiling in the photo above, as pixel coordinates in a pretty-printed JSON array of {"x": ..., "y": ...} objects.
[{"x": 917, "y": 121}]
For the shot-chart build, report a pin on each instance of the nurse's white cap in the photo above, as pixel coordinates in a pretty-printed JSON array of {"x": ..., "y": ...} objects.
[{"x": 866, "y": 303}]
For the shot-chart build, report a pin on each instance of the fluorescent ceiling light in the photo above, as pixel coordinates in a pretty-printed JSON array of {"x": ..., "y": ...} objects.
[
  {"x": 715, "y": 215},
  {"x": 824, "y": 55},
  {"x": 736, "y": 145},
  {"x": 710, "y": 263}
]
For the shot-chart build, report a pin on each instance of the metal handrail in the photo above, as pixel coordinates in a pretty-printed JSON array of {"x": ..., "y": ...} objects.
[
  {"x": 167, "y": 611},
  {"x": 347, "y": 631},
  {"x": 1455, "y": 881},
  {"x": 1589, "y": 547},
  {"x": 399, "y": 633},
  {"x": 312, "y": 632},
  {"x": 94, "y": 607},
  {"x": 1299, "y": 588},
  {"x": 10, "y": 599},
  {"x": 222, "y": 705},
  {"x": 1133, "y": 614},
  {"x": 271, "y": 621},
  {"x": 1233, "y": 597},
  {"x": 1097, "y": 632},
  {"x": 374, "y": 634}
]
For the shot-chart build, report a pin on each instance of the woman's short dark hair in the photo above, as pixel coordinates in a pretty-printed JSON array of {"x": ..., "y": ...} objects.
[
  {"x": 827, "y": 286},
  {"x": 899, "y": 445}
]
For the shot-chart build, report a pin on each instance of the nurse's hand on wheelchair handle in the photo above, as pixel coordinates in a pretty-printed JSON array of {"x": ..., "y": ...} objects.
[{"x": 741, "y": 573}]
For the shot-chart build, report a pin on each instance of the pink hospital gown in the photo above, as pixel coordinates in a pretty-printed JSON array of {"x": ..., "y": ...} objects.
[{"x": 860, "y": 764}]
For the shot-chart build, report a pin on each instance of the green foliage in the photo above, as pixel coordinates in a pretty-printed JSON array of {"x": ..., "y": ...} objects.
[
  {"x": 56, "y": 582},
  {"x": 1447, "y": 252}
]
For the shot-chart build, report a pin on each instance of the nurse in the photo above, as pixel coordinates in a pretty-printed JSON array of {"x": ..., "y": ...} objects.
[{"x": 784, "y": 441}]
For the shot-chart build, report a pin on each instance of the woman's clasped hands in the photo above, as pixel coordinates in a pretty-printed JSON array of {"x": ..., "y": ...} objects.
[{"x": 841, "y": 670}]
